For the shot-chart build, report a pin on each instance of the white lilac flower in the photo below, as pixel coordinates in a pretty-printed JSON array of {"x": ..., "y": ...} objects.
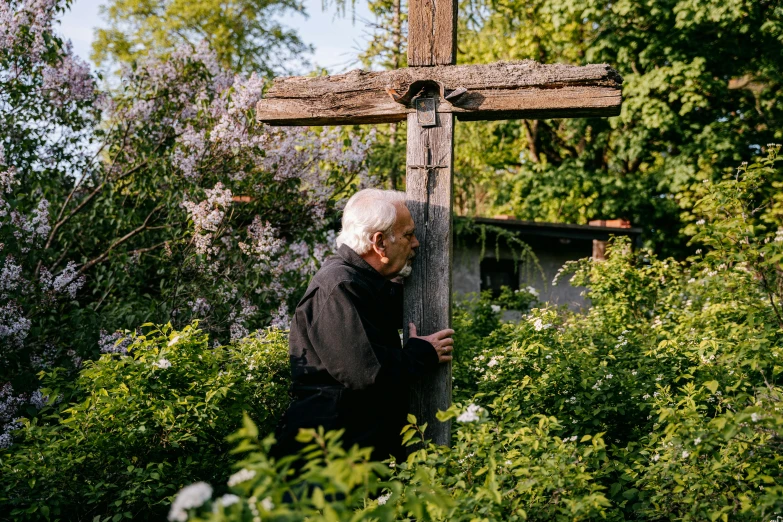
[
  {"x": 495, "y": 309},
  {"x": 755, "y": 417},
  {"x": 634, "y": 372},
  {"x": 685, "y": 454},
  {"x": 470, "y": 415},
  {"x": 697, "y": 441},
  {"x": 656, "y": 457},
  {"x": 532, "y": 291},
  {"x": 268, "y": 504},
  {"x": 384, "y": 498},
  {"x": 162, "y": 364},
  {"x": 700, "y": 222},
  {"x": 493, "y": 362},
  {"x": 189, "y": 497},
  {"x": 241, "y": 476},
  {"x": 609, "y": 375},
  {"x": 646, "y": 396}
]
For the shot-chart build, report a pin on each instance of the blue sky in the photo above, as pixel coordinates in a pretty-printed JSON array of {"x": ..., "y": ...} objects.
[{"x": 337, "y": 40}]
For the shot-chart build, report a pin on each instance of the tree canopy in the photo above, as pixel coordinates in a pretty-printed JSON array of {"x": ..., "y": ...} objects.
[{"x": 245, "y": 34}]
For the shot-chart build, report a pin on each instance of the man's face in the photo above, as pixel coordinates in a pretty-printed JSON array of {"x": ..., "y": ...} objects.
[{"x": 401, "y": 251}]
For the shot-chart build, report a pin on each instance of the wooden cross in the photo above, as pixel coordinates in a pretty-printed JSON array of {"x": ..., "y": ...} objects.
[{"x": 429, "y": 94}]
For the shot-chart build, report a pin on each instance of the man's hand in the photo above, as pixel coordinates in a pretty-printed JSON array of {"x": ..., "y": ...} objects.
[{"x": 442, "y": 342}]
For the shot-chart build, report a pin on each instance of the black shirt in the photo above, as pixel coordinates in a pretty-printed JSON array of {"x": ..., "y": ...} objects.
[{"x": 348, "y": 368}]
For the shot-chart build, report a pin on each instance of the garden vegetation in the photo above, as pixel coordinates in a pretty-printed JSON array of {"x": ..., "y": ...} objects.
[{"x": 148, "y": 230}]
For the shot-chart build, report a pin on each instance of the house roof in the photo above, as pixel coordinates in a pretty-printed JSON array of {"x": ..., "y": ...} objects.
[{"x": 558, "y": 230}]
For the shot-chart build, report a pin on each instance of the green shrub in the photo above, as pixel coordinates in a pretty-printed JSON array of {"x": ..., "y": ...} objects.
[{"x": 133, "y": 429}]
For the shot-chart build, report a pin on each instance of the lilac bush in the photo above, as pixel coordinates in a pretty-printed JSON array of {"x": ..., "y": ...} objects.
[{"x": 159, "y": 200}]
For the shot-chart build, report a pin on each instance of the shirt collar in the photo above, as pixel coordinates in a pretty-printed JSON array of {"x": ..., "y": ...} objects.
[{"x": 352, "y": 258}]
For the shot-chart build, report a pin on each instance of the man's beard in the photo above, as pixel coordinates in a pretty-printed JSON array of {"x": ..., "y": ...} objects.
[{"x": 407, "y": 269}]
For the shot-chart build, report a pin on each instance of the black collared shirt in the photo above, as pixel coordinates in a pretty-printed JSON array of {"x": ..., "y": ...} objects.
[{"x": 348, "y": 368}]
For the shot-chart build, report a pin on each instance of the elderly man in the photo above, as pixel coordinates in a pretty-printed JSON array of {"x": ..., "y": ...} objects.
[{"x": 348, "y": 368}]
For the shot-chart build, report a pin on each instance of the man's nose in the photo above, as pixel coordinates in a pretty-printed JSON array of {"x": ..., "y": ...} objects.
[{"x": 415, "y": 243}]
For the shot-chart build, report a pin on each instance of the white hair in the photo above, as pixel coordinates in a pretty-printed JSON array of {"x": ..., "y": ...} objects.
[{"x": 367, "y": 212}]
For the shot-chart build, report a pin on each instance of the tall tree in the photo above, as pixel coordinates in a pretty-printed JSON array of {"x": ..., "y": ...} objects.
[
  {"x": 245, "y": 34},
  {"x": 702, "y": 92}
]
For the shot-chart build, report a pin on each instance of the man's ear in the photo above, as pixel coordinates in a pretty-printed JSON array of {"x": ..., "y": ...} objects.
[{"x": 378, "y": 243}]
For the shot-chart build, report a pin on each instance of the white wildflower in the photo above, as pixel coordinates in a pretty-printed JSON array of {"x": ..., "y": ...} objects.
[
  {"x": 646, "y": 396},
  {"x": 755, "y": 417},
  {"x": 634, "y": 372},
  {"x": 532, "y": 291},
  {"x": 493, "y": 362},
  {"x": 539, "y": 325},
  {"x": 470, "y": 415},
  {"x": 241, "y": 476},
  {"x": 697, "y": 441},
  {"x": 685, "y": 454},
  {"x": 384, "y": 498},
  {"x": 656, "y": 457},
  {"x": 189, "y": 497},
  {"x": 228, "y": 499},
  {"x": 495, "y": 309},
  {"x": 700, "y": 222},
  {"x": 268, "y": 504},
  {"x": 162, "y": 364}
]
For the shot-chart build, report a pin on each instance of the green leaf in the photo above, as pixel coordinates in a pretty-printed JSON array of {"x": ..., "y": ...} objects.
[
  {"x": 712, "y": 386},
  {"x": 411, "y": 418}
]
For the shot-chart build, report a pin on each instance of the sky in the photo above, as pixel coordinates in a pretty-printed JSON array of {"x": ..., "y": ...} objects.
[{"x": 337, "y": 40}]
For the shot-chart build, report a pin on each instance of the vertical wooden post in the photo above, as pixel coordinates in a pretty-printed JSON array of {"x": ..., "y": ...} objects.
[
  {"x": 428, "y": 289},
  {"x": 432, "y": 32}
]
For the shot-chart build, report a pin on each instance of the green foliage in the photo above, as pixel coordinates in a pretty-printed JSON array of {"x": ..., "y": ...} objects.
[
  {"x": 663, "y": 402},
  {"x": 333, "y": 485},
  {"x": 689, "y": 68},
  {"x": 134, "y": 429},
  {"x": 245, "y": 34}
]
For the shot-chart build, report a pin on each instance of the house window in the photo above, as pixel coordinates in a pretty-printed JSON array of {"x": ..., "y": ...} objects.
[{"x": 496, "y": 273}]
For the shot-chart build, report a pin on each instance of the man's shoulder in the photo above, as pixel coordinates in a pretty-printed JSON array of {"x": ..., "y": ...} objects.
[{"x": 335, "y": 271}]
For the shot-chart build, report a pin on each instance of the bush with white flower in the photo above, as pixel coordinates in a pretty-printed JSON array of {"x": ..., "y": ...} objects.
[{"x": 141, "y": 425}]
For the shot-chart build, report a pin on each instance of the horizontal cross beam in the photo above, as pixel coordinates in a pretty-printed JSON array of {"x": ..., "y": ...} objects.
[{"x": 499, "y": 91}]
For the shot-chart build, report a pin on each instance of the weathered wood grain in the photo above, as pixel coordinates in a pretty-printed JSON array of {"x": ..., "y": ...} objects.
[
  {"x": 428, "y": 289},
  {"x": 432, "y": 32},
  {"x": 506, "y": 90}
]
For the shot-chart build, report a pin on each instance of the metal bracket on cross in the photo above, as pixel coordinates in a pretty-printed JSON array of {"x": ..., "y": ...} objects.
[{"x": 418, "y": 87}]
